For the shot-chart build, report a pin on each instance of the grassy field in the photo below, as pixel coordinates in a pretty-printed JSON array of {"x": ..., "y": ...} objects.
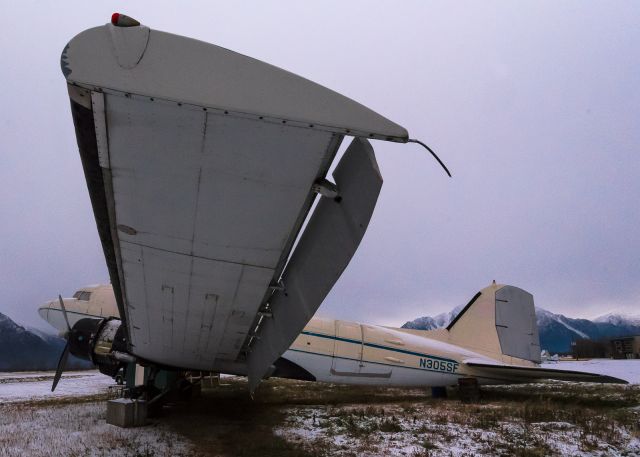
[
  {"x": 296, "y": 418},
  {"x": 290, "y": 418}
]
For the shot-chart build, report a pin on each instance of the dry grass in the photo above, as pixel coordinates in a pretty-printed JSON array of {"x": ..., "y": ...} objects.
[
  {"x": 292, "y": 418},
  {"x": 529, "y": 420},
  {"x": 296, "y": 418}
]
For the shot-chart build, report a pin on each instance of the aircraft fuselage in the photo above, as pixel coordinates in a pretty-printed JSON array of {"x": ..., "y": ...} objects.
[{"x": 327, "y": 350}]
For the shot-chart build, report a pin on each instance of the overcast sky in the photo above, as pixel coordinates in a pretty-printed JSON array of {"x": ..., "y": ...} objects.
[{"x": 534, "y": 106}]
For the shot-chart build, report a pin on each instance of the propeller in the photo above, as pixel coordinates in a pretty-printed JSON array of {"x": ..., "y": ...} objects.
[{"x": 65, "y": 354}]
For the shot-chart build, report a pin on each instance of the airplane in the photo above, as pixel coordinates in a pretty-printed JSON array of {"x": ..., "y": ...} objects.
[
  {"x": 493, "y": 340},
  {"x": 207, "y": 172}
]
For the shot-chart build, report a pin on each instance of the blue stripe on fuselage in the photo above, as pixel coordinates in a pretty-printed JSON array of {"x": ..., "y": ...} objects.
[
  {"x": 377, "y": 346},
  {"x": 378, "y": 363}
]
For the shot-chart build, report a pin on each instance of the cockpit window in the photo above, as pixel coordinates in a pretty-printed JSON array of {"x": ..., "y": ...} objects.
[{"x": 82, "y": 295}]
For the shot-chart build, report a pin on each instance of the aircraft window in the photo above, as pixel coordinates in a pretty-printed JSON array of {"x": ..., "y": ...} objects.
[{"x": 82, "y": 295}]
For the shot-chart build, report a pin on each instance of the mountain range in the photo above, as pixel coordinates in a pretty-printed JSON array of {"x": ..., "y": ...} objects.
[
  {"x": 556, "y": 330},
  {"x": 23, "y": 349}
]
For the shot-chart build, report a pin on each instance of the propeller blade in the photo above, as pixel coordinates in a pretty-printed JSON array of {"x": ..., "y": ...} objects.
[
  {"x": 61, "y": 364},
  {"x": 64, "y": 312}
]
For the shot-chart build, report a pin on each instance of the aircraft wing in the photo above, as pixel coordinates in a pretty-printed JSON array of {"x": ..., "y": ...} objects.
[
  {"x": 202, "y": 165},
  {"x": 514, "y": 373}
]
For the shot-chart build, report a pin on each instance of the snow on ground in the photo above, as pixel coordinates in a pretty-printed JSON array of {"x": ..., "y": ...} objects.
[
  {"x": 629, "y": 370},
  {"x": 450, "y": 431},
  {"x": 554, "y": 418},
  {"x": 70, "y": 422},
  {"x": 80, "y": 429},
  {"x": 36, "y": 386}
]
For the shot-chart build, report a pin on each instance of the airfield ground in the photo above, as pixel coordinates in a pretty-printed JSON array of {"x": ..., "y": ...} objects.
[{"x": 290, "y": 418}]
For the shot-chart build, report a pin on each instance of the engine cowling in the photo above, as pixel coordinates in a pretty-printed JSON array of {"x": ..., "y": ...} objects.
[{"x": 101, "y": 341}]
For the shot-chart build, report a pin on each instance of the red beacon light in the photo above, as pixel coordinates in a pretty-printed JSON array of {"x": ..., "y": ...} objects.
[{"x": 121, "y": 20}]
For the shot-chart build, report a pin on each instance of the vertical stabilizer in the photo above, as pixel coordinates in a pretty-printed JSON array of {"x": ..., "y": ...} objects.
[{"x": 499, "y": 321}]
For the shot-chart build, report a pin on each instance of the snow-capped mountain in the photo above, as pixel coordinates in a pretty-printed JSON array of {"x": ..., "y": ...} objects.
[
  {"x": 618, "y": 319},
  {"x": 432, "y": 323},
  {"x": 556, "y": 330},
  {"x": 25, "y": 349}
]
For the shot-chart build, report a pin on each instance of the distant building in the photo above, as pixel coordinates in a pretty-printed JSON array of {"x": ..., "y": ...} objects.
[
  {"x": 585, "y": 348},
  {"x": 626, "y": 347}
]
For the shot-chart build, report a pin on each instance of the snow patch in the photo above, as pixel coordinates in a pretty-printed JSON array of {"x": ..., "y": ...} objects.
[
  {"x": 80, "y": 429},
  {"x": 36, "y": 386},
  {"x": 573, "y": 329},
  {"x": 425, "y": 430}
]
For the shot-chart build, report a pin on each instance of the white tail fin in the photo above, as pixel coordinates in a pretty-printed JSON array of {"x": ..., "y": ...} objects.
[{"x": 499, "y": 320}]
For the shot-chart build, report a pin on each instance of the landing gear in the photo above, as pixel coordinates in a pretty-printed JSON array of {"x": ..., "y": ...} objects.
[
  {"x": 469, "y": 390},
  {"x": 439, "y": 392},
  {"x": 119, "y": 378},
  {"x": 148, "y": 390}
]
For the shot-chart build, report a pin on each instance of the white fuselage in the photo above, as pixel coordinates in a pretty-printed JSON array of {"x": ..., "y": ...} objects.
[
  {"x": 373, "y": 355},
  {"x": 330, "y": 350}
]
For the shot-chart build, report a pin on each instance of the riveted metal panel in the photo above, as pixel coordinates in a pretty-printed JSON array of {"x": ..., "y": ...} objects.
[
  {"x": 205, "y": 206},
  {"x": 100, "y": 122}
]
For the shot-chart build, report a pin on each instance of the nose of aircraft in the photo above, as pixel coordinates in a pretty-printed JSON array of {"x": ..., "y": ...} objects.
[
  {"x": 43, "y": 310},
  {"x": 52, "y": 313}
]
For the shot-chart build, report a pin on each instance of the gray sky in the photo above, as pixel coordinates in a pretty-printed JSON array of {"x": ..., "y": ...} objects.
[{"x": 534, "y": 106}]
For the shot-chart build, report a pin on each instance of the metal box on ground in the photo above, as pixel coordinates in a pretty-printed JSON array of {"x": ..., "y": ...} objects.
[
  {"x": 125, "y": 412},
  {"x": 439, "y": 392},
  {"x": 469, "y": 390}
]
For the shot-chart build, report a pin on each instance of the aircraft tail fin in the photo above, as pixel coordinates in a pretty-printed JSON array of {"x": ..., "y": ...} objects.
[{"x": 500, "y": 320}]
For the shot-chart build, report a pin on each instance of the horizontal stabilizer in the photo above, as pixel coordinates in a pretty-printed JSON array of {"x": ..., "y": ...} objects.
[{"x": 513, "y": 374}]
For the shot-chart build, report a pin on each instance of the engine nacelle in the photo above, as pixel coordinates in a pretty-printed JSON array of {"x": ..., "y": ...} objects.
[{"x": 102, "y": 341}]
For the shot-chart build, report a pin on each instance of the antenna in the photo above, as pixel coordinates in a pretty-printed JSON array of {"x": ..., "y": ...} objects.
[{"x": 435, "y": 156}]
